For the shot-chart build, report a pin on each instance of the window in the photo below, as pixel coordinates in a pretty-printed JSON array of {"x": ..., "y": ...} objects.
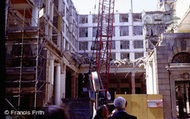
[
  {"x": 125, "y": 91},
  {"x": 15, "y": 53},
  {"x": 94, "y": 31},
  {"x": 83, "y": 32},
  {"x": 113, "y": 57},
  {"x": 124, "y": 44},
  {"x": 137, "y": 30},
  {"x": 124, "y": 31},
  {"x": 95, "y": 19},
  {"x": 124, "y": 55},
  {"x": 113, "y": 45},
  {"x": 125, "y": 80},
  {"x": 137, "y": 17},
  {"x": 157, "y": 18},
  {"x": 155, "y": 30},
  {"x": 83, "y": 45},
  {"x": 138, "y": 55},
  {"x": 137, "y": 90},
  {"x": 83, "y": 19},
  {"x": 111, "y": 29},
  {"x": 138, "y": 44},
  {"x": 137, "y": 80},
  {"x": 96, "y": 45},
  {"x": 123, "y": 17},
  {"x": 182, "y": 57}
]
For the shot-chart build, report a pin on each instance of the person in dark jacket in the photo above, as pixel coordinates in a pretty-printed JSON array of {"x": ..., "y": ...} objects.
[{"x": 120, "y": 103}]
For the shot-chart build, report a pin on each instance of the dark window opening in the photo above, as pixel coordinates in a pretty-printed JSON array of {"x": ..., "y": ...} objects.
[{"x": 182, "y": 57}]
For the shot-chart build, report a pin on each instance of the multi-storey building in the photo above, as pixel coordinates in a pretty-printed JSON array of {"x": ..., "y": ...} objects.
[
  {"x": 127, "y": 47},
  {"x": 44, "y": 44},
  {"x": 39, "y": 36}
]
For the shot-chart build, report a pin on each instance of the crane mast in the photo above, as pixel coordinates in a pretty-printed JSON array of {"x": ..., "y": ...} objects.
[{"x": 103, "y": 41}]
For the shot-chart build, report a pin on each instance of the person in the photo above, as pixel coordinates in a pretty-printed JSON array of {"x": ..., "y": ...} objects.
[
  {"x": 54, "y": 112},
  {"x": 120, "y": 103},
  {"x": 101, "y": 112}
]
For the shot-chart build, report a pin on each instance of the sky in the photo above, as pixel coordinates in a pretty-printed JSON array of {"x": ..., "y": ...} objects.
[{"x": 122, "y": 6}]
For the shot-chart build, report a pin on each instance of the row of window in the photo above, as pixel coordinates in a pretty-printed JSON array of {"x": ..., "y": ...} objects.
[
  {"x": 123, "y": 44},
  {"x": 137, "y": 17},
  {"x": 126, "y": 55},
  {"x": 124, "y": 31}
]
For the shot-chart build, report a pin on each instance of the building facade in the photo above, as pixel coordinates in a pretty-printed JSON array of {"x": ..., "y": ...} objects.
[
  {"x": 39, "y": 35},
  {"x": 167, "y": 67},
  {"x": 127, "y": 47},
  {"x": 48, "y": 46}
]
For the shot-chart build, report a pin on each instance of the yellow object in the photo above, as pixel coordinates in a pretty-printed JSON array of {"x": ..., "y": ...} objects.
[{"x": 137, "y": 106}]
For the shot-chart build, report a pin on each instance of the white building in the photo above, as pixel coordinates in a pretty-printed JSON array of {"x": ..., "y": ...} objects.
[
  {"x": 128, "y": 40},
  {"x": 127, "y": 43}
]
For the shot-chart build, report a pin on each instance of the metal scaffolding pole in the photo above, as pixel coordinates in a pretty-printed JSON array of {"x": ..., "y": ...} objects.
[{"x": 21, "y": 59}]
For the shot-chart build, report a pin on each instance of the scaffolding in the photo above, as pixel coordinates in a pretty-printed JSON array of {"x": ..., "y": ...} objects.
[{"x": 25, "y": 56}]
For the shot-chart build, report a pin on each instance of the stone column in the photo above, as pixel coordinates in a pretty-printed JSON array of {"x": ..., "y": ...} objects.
[
  {"x": 58, "y": 85},
  {"x": 51, "y": 81},
  {"x": 51, "y": 71},
  {"x": 133, "y": 82},
  {"x": 149, "y": 79},
  {"x": 63, "y": 80},
  {"x": 34, "y": 18}
]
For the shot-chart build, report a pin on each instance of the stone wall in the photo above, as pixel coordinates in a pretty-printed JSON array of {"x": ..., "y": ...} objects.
[{"x": 171, "y": 44}]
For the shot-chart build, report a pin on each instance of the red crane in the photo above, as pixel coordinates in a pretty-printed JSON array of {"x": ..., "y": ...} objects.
[{"x": 103, "y": 41}]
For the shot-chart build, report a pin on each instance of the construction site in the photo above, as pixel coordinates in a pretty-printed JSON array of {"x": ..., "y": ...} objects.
[{"x": 56, "y": 56}]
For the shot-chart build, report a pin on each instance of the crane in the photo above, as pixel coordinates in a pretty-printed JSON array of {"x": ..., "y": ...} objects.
[{"x": 103, "y": 42}]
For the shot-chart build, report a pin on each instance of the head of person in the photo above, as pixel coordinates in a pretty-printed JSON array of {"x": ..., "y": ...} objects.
[
  {"x": 56, "y": 112},
  {"x": 102, "y": 112},
  {"x": 120, "y": 103}
]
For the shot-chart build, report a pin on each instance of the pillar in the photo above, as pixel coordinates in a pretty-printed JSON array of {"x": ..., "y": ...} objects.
[
  {"x": 51, "y": 71},
  {"x": 34, "y": 16},
  {"x": 58, "y": 85},
  {"x": 149, "y": 79},
  {"x": 51, "y": 81},
  {"x": 63, "y": 81},
  {"x": 133, "y": 82}
]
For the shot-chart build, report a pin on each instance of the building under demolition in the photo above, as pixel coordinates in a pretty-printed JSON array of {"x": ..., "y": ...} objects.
[
  {"x": 127, "y": 47},
  {"x": 48, "y": 50},
  {"x": 39, "y": 35},
  {"x": 49, "y": 47},
  {"x": 167, "y": 65}
]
